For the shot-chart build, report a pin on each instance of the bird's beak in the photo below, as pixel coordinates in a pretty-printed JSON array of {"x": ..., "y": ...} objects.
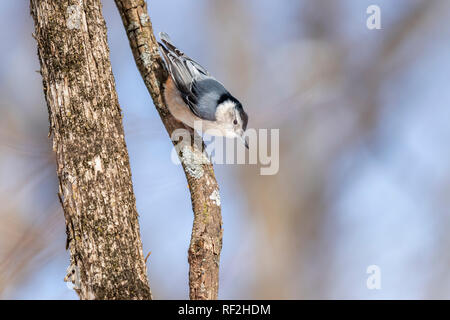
[{"x": 244, "y": 141}]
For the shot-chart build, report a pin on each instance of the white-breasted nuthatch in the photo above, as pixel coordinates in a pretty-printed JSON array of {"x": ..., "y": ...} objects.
[{"x": 192, "y": 94}]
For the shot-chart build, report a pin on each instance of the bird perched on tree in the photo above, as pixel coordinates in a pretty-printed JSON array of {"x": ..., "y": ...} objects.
[{"x": 192, "y": 94}]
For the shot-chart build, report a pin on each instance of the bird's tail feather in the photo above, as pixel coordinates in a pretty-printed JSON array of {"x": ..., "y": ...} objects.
[
  {"x": 168, "y": 42},
  {"x": 182, "y": 68}
]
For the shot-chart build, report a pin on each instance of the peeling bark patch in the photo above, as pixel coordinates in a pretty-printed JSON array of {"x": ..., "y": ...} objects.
[
  {"x": 98, "y": 164},
  {"x": 73, "y": 277},
  {"x": 74, "y": 17},
  {"x": 146, "y": 58},
  {"x": 144, "y": 19},
  {"x": 215, "y": 197},
  {"x": 133, "y": 26}
]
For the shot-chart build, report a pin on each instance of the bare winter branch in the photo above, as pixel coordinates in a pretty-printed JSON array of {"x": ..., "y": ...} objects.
[{"x": 206, "y": 240}]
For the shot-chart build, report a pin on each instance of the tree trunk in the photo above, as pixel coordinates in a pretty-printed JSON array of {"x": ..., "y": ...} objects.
[
  {"x": 93, "y": 168},
  {"x": 206, "y": 239}
]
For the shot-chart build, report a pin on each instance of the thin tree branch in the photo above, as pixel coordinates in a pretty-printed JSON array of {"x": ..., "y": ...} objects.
[
  {"x": 206, "y": 239},
  {"x": 95, "y": 187}
]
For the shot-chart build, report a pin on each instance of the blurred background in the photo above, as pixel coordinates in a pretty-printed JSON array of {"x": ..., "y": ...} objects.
[{"x": 364, "y": 179}]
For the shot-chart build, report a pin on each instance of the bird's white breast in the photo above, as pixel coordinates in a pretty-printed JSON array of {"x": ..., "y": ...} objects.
[{"x": 182, "y": 113}]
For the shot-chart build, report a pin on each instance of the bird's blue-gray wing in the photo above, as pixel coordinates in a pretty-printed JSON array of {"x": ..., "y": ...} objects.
[
  {"x": 207, "y": 92},
  {"x": 192, "y": 80}
]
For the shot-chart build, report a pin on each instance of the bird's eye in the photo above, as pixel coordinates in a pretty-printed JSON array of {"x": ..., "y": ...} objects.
[{"x": 235, "y": 122}]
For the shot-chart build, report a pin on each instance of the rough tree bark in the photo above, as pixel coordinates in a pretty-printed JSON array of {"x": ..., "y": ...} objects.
[
  {"x": 206, "y": 239},
  {"x": 93, "y": 168}
]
